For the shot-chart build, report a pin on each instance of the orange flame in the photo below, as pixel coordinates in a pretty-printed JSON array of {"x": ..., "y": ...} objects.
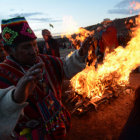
[
  {"x": 69, "y": 25},
  {"x": 113, "y": 72},
  {"x": 79, "y": 36}
]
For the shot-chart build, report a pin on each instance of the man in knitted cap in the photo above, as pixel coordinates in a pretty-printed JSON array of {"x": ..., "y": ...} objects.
[
  {"x": 50, "y": 46},
  {"x": 31, "y": 83}
]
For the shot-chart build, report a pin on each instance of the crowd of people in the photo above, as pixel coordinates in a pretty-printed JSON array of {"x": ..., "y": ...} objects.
[{"x": 31, "y": 80}]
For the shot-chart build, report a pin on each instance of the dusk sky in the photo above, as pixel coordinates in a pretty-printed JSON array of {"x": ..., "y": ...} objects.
[{"x": 65, "y": 15}]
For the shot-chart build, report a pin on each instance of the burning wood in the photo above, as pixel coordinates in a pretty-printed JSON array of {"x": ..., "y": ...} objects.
[{"x": 79, "y": 105}]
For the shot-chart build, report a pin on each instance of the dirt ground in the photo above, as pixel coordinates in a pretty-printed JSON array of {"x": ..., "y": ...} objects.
[
  {"x": 107, "y": 122},
  {"x": 64, "y": 52}
]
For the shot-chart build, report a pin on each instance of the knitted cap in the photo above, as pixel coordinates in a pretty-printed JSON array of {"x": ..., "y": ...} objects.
[{"x": 15, "y": 31}]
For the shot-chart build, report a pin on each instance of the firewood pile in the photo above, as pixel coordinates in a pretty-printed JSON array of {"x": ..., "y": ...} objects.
[{"x": 78, "y": 105}]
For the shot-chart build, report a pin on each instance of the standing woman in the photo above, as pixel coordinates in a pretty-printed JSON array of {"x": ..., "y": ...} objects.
[{"x": 50, "y": 46}]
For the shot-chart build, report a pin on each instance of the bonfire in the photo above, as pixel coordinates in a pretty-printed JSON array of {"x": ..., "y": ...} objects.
[{"x": 93, "y": 86}]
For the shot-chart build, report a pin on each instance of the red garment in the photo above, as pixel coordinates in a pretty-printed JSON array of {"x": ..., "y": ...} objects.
[
  {"x": 109, "y": 38},
  {"x": 102, "y": 46},
  {"x": 58, "y": 117}
]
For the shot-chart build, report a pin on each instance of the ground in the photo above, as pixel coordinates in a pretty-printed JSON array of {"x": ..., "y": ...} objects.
[{"x": 107, "y": 122}]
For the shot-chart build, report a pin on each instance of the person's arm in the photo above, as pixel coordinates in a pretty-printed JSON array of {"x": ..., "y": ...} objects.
[
  {"x": 9, "y": 111},
  {"x": 77, "y": 61},
  {"x": 27, "y": 83},
  {"x": 73, "y": 64},
  {"x": 13, "y": 99}
]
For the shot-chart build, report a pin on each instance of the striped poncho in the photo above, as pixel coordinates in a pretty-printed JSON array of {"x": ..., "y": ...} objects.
[{"x": 45, "y": 105}]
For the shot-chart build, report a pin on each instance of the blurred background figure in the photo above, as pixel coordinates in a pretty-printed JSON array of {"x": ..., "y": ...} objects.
[
  {"x": 109, "y": 35},
  {"x": 99, "y": 46},
  {"x": 50, "y": 46},
  {"x": 106, "y": 40},
  {"x": 128, "y": 26}
]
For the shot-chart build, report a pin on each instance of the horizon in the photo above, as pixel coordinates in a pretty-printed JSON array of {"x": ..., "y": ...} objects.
[{"x": 67, "y": 16}]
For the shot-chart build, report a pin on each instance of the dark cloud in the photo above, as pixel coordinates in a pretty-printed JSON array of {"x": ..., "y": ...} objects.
[
  {"x": 118, "y": 11},
  {"x": 30, "y": 16},
  {"x": 26, "y": 14},
  {"x": 46, "y": 20},
  {"x": 122, "y": 4},
  {"x": 123, "y": 11},
  {"x": 123, "y": 7},
  {"x": 125, "y": 3}
]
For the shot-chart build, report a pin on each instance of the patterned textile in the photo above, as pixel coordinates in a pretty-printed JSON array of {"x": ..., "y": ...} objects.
[
  {"x": 45, "y": 115},
  {"x": 16, "y": 30},
  {"x": 2, "y": 54}
]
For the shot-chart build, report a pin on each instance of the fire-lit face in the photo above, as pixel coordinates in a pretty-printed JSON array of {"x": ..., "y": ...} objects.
[
  {"x": 46, "y": 37},
  {"x": 105, "y": 25},
  {"x": 26, "y": 53}
]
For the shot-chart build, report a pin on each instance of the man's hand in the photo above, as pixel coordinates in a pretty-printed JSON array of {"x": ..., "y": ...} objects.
[
  {"x": 85, "y": 46},
  {"x": 27, "y": 83}
]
